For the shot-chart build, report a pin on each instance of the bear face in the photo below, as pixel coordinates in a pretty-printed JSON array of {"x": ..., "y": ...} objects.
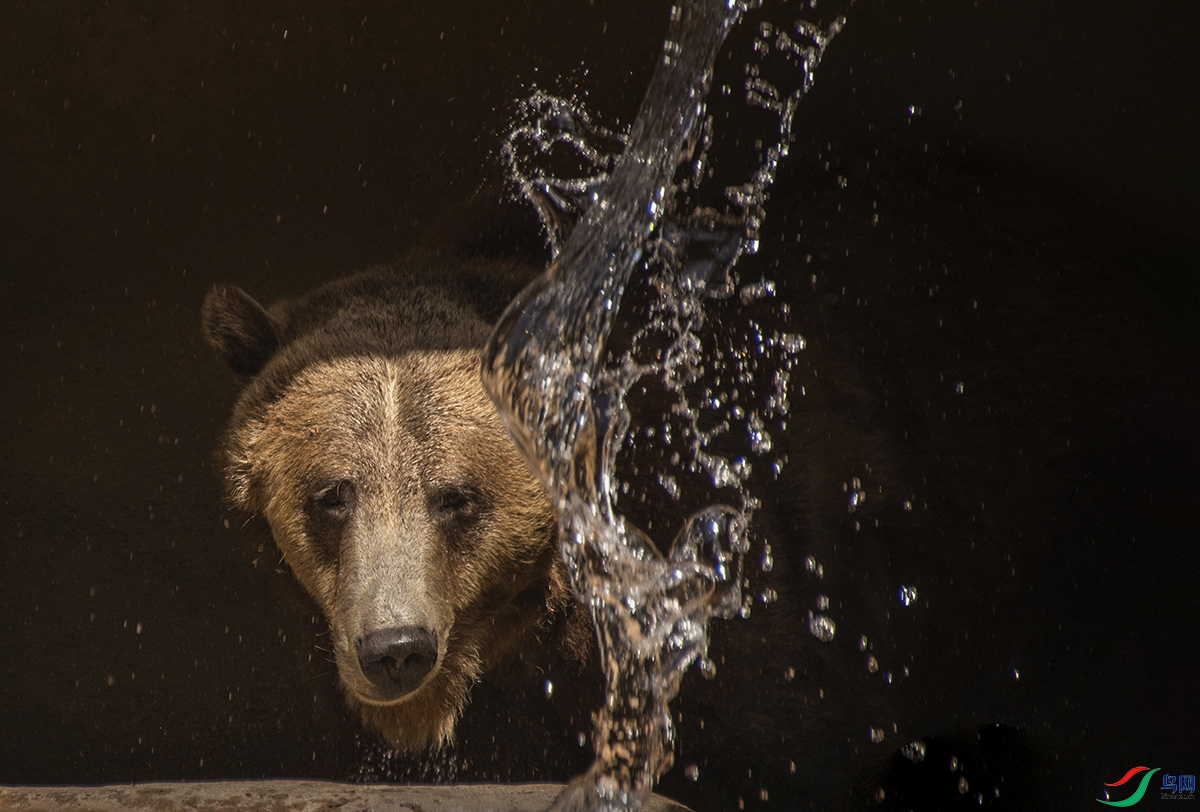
[{"x": 367, "y": 442}]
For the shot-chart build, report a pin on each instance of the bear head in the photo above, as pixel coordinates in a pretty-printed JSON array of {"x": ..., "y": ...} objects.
[{"x": 365, "y": 439}]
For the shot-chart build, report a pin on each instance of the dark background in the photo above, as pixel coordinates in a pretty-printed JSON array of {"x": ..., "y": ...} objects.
[{"x": 151, "y": 149}]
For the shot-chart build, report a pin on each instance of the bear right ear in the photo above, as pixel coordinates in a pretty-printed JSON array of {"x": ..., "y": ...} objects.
[{"x": 239, "y": 329}]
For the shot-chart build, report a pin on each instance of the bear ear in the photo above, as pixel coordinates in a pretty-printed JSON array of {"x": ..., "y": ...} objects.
[{"x": 239, "y": 329}]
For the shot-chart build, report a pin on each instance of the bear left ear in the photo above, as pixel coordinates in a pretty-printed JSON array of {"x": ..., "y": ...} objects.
[{"x": 239, "y": 329}]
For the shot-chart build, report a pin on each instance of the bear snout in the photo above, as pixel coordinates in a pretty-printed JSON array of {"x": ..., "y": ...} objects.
[{"x": 397, "y": 660}]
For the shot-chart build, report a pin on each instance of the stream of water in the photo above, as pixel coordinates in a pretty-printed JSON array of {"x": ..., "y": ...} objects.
[{"x": 672, "y": 204}]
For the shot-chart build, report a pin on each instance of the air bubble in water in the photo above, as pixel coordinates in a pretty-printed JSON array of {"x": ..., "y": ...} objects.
[{"x": 822, "y": 627}]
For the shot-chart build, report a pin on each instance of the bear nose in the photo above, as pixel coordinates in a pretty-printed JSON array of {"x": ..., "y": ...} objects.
[{"x": 397, "y": 660}]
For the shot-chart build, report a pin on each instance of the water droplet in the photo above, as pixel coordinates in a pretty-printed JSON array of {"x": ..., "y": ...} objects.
[
  {"x": 953, "y": 764},
  {"x": 756, "y": 290},
  {"x": 789, "y": 674},
  {"x": 958, "y": 387},
  {"x": 907, "y": 504},
  {"x": 863, "y": 642},
  {"x": 857, "y": 497},
  {"x": 760, "y": 440},
  {"x": 549, "y": 689},
  {"x": 876, "y": 735},
  {"x": 822, "y": 602},
  {"x": 914, "y": 751},
  {"x": 822, "y": 627},
  {"x": 872, "y": 664},
  {"x": 691, "y": 772},
  {"x": 1016, "y": 674},
  {"x": 907, "y": 594},
  {"x": 792, "y": 342},
  {"x": 963, "y": 787}
]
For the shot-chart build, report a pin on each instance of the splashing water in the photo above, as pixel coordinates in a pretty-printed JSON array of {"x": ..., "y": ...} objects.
[{"x": 565, "y": 401}]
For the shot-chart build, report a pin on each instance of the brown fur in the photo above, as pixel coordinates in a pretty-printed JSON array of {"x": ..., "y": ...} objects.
[{"x": 367, "y": 442}]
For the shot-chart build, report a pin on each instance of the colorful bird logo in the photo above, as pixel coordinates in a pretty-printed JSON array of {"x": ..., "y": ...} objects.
[{"x": 1138, "y": 793}]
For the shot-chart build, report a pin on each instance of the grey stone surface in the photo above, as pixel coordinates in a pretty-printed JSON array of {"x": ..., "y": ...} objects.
[{"x": 292, "y": 796}]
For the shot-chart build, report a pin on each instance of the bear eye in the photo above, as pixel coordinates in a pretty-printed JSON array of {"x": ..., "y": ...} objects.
[
  {"x": 455, "y": 500},
  {"x": 336, "y": 498}
]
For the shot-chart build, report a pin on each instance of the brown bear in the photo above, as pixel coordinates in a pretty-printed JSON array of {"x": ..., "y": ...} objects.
[{"x": 365, "y": 439}]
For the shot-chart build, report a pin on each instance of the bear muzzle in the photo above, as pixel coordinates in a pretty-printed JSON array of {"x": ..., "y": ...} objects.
[{"x": 397, "y": 660}]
